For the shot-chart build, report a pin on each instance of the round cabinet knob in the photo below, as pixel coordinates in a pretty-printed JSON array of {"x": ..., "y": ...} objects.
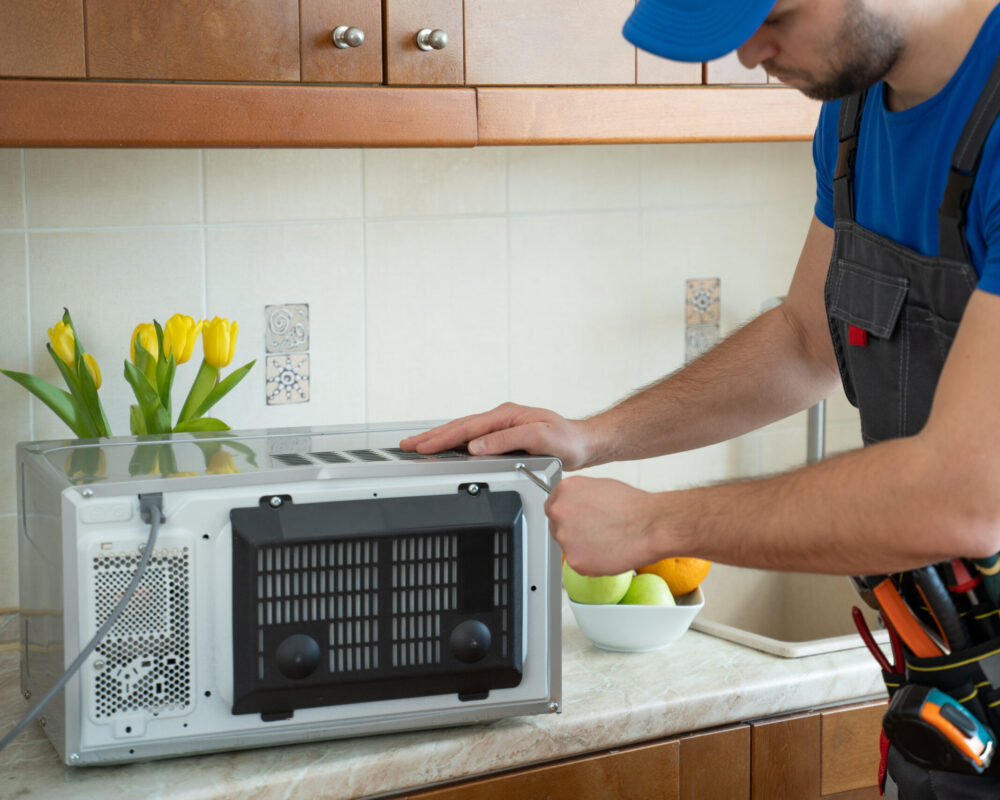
[
  {"x": 298, "y": 656},
  {"x": 345, "y": 37},
  {"x": 428, "y": 39},
  {"x": 470, "y": 641}
]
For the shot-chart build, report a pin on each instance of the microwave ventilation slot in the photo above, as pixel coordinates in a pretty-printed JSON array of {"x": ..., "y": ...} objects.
[
  {"x": 424, "y": 584},
  {"x": 501, "y": 585},
  {"x": 147, "y": 653},
  {"x": 367, "y": 455},
  {"x": 335, "y": 583},
  {"x": 292, "y": 459},
  {"x": 329, "y": 457}
]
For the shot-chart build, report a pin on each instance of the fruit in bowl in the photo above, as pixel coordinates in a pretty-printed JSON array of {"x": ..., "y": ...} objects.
[{"x": 630, "y": 612}]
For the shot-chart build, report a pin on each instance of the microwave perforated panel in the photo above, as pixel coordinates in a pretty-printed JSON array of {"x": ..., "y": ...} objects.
[
  {"x": 375, "y": 599},
  {"x": 146, "y": 655}
]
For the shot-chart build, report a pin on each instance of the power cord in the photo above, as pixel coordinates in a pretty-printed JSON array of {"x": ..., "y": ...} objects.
[{"x": 151, "y": 511}]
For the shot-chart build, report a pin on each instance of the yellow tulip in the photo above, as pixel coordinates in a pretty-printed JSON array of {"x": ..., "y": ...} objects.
[
  {"x": 64, "y": 343},
  {"x": 93, "y": 369},
  {"x": 179, "y": 337},
  {"x": 219, "y": 339},
  {"x": 146, "y": 334}
]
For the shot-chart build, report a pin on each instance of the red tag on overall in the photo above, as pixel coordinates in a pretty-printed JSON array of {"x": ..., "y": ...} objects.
[{"x": 857, "y": 336}]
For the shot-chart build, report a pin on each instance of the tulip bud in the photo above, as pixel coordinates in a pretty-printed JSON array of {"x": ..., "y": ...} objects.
[
  {"x": 179, "y": 337},
  {"x": 145, "y": 332},
  {"x": 64, "y": 343},
  {"x": 219, "y": 339},
  {"x": 93, "y": 369}
]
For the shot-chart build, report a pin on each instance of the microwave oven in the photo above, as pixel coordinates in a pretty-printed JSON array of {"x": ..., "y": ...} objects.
[{"x": 304, "y": 584}]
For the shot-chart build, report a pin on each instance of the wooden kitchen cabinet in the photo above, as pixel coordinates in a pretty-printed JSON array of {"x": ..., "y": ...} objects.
[
  {"x": 405, "y": 61},
  {"x": 830, "y": 754},
  {"x": 559, "y": 42},
  {"x": 42, "y": 39},
  {"x": 193, "y": 40},
  {"x": 827, "y": 755},
  {"x": 325, "y": 62}
]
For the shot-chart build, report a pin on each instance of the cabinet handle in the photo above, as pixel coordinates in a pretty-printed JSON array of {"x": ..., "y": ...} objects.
[
  {"x": 428, "y": 39},
  {"x": 345, "y": 37}
]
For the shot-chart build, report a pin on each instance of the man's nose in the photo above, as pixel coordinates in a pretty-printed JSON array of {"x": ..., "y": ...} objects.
[{"x": 759, "y": 47}]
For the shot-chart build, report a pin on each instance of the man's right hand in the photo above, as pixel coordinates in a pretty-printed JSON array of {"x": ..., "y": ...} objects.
[{"x": 512, "y": 427}]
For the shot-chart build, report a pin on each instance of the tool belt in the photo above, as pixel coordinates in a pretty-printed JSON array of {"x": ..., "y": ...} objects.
[{"x": 944, "y": 684}]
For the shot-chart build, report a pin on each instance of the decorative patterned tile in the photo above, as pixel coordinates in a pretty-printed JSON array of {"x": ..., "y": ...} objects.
[
  {"x": 287, "y": 328},
  {"x": 699, "y": 339},
  {"x": 702, "y": 301},
  {"x": 287, "y": 379}
]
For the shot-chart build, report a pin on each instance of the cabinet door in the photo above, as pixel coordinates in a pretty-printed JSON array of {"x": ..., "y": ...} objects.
[
  {"x": 325, "y": 62},
  {"x": 828, "y": 755},
  {"x": 42, "y": 39},
  {"x": 648, "y": 772},
  {"x": 548, "y": 43},
  {"x": 197, "y": 40},
  {"x": 405, "y": 61}
]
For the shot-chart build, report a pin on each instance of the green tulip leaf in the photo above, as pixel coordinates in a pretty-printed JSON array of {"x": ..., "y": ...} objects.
[
  {"x": 201, "y": 424},
  {"x": 223, "y": 388},
  {"x": 157, "y": 419},
  {"x": 88, "y": 389},
  {"x": 165, "y": 370},
  {"x": 136, "y": 424},
  {"x": 203, "y": 383},
  {"x": 60, "y": 401}
]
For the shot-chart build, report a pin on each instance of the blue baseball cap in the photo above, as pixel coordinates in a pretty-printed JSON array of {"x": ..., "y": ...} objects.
[{"x": 694, "y": 30}]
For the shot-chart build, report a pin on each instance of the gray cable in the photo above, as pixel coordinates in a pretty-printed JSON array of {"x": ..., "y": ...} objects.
[{"x": 154, "y": 529}]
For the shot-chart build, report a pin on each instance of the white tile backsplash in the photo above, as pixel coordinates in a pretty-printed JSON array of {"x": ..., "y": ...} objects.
[
  {"x": 432, "y": 182},
  {"x": 436, "y": 317},
  {"x": 11, "y": 189},
  {"x": 282, "y": 185},
  {"x": 439, "y": 281},
  {"x": 15, "y": 419},
  {"x": 8, "y": 565},
  {"x": 578, "y": 178},
  {"x": 574, "y": 323},
  {"x": 97, "y": 188},
  {"x": 321, "y": 264}
]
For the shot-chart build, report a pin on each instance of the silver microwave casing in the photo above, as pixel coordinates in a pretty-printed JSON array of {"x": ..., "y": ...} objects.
[{"x": 80, "y": 536}]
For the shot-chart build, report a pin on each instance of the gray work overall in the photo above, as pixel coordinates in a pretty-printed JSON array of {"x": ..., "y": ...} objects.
[{"x": 893, "y": 315}]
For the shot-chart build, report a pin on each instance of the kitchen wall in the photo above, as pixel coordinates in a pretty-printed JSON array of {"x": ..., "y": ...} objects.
[{"x": 438, "y": 282}]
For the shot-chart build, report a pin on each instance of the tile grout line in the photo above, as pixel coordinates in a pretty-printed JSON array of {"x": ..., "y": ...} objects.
[
  {"x": 364, "y": 286},
  {"x": 510, "y": 277},
  {"x": 27, "y": 282},
  {"x": 204, "y": 233}
]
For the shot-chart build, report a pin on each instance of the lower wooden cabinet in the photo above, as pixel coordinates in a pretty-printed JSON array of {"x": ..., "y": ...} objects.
[{"x": 829, "y": 754}]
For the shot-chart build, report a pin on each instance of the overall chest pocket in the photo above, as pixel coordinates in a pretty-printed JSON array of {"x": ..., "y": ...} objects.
[{"x": 875, "y": 367}]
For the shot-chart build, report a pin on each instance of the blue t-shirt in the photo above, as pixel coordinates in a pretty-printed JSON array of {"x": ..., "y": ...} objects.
[{"x": 904, "y": 158}]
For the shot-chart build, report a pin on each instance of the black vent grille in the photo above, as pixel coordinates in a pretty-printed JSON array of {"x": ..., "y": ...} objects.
[
  {"x": 369, "y": 455},
  {"x": 334, "y": 583},
  {"x": 424, "y": 584},
  {"x": 329, "y": 457},
  {"x": 384, "y": 590},
  {"x": 291, "y": 459}
]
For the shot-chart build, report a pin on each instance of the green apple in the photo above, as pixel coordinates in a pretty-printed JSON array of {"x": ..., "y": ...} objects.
[
  {"x": 605, "y": 589},
  {"x": 648, "y": 590}
]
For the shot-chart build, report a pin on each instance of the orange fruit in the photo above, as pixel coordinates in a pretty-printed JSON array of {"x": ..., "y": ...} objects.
[{"x": 682, "y": 574}]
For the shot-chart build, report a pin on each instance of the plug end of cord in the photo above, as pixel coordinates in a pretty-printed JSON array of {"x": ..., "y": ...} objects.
[{"x": 146, "y": 504}]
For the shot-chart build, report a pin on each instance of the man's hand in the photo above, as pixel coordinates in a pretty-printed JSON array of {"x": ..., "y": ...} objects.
[
  {"x": 604, "y": 526},
  {"x": 511, "y": 427}
]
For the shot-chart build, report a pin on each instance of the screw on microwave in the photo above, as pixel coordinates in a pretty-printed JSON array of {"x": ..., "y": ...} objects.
[
  {"x": 275, "y": 502},
  {"x": 473, "y": 488}
]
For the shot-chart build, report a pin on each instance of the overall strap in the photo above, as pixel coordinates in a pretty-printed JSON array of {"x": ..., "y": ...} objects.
[
  {"x": 848, "y": 127},
  {"x": 964, "y": 166}
]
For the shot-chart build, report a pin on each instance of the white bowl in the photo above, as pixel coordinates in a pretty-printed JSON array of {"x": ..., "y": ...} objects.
[{"x": 635, "y": 628}]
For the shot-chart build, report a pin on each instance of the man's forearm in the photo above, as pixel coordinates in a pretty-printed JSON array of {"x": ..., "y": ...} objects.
[
  {"x": 762, "y": 373},
  {"x": 891, "y": 506}
]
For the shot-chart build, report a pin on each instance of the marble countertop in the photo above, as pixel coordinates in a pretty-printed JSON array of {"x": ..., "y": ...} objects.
[{"x": 609, "y": 700}]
